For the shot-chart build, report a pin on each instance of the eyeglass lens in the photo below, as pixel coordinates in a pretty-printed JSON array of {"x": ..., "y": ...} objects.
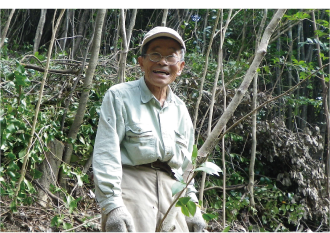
[{"x": 156, "y": 57}]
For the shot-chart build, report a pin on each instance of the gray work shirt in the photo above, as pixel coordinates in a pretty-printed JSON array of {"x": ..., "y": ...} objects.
[{"x": 133, "y": 130}]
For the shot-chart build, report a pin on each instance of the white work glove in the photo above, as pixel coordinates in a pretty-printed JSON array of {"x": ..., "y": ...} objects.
[
  {"x": 196, "y": 223},
  {"x": 119, "y": 220}
]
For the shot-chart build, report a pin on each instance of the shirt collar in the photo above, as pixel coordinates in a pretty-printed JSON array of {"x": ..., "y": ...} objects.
[{"x": 146, "y": 94}]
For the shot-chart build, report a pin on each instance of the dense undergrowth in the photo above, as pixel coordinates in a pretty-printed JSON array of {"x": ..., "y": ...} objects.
[{"x": 290, "y": 174}]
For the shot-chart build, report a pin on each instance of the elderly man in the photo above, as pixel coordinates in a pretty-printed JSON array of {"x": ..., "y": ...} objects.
[{"x": 144, "y": 132}]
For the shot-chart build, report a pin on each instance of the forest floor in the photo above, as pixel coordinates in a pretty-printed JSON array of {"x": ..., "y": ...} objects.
[{"x": 35, "y": 218}]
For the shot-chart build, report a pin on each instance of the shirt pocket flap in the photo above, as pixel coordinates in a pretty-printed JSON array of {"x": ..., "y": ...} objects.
[
  {"x": 181, "y": 140},
  {"x": 138, "y": 130}
]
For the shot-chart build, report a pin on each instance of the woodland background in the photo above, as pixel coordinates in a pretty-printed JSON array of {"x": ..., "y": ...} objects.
[{"x": 273, "y": 146}]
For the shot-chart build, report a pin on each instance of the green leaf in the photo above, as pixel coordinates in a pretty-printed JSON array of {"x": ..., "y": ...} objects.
[
  {"x": 20, "y": 68},
  {"x": 11, "y": 128},
  {"x": 22, "y": 153},
  {"x": 13, "y": 206},
  {"x": 192, "y": 207},
  {"x": 21, "y": 79},
  {"x": 194, "y": 154},
  {"x": 56, "y": 221},
  {"x": 36, "y": 174},
  {"x": 73, "y": 205},
  {"x": 208, "y": 217},
  {"x": 226, "y": 229},
  {"x": 209, "y": 168},
  {"x": 29, "y": 186},
  {"x": 11, "y": 76},
  {"x": 81, "y": 139},
  {"x": 67, "y": 226},
  {"x": 177, "y": 187},
  {"x": 185, "y": 210},
  {"x": 182, "y": 201}
]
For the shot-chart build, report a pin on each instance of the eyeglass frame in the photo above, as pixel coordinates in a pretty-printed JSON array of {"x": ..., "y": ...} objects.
[{"x": 161, "y": 56}]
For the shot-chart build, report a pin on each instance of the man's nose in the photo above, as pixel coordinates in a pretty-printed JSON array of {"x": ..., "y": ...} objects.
[{"x": 163, "y": 61}]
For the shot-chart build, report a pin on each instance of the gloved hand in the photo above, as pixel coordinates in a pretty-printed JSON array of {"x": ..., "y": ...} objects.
[
  {"x": 196, "y": 223},
  {"x": 119, "y": 220}
]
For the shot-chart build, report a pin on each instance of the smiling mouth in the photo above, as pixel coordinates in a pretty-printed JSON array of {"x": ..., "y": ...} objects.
[{"x": 161, "y": 72}]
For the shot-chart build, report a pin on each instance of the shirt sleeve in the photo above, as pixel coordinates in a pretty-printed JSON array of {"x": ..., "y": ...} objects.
[{"x": 107, "y": 167}]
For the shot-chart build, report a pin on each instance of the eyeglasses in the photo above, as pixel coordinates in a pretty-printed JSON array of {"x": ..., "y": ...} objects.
[{"x": 170, "y": 59}]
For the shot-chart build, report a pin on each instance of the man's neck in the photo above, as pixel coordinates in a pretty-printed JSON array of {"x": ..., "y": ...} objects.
[{"x": 159, "y": 92}]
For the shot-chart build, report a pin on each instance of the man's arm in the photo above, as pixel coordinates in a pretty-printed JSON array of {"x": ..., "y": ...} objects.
[{"x": 107, "y": 165}]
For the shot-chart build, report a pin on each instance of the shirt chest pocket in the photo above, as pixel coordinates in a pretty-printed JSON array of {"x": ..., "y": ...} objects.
[
  {"x": 181, "y": 148},
  {"x": 138, "y": 133},
  {"x": 139, "y": 142}
]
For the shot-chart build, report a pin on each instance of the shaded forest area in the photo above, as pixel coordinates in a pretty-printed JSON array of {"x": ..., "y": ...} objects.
[{"x": 256, "y": 83}]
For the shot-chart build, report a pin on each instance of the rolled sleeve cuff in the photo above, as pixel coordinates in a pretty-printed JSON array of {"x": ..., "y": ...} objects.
[{"x": 108, "y": 205}]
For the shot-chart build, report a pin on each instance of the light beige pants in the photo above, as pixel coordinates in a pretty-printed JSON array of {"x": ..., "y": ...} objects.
[{"x": 147, "y": 195}]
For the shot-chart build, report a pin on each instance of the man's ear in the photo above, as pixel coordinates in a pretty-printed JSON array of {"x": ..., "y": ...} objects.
[
  {"x": 181, "y": 68},
  {"x": 140, "y": 60}
]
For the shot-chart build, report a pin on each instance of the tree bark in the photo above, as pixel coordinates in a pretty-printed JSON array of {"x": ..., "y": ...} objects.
[
  {"x": 115, "y": 42},
  {"x": 80, "y": 32},
  {"x": 289, "y": 116},
  {"x": 50, "y": 168},
  {"x": 86, "y": 89},
  {"x": 5, "y": 30},
  {"x": 126, "y": 37},
  {"x": 243, "y": 37},
  {"x": 212, "y": 140},
  {"x": 40, "y": 28},
  {"x": 204, "y": 30},
  {"x": 130, "y": 27},
  {"x": 254, "y": 118},
  {"x": 165, "y": 13},
  {"x": 65, "y": 32},
  {"x": 123, "y": 54}
]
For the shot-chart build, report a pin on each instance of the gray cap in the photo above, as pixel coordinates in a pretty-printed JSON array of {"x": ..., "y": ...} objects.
[{"x": 162, "y": 31}]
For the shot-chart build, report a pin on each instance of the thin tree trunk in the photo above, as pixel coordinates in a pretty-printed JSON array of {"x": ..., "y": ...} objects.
[
  {"x": 80, "y": 32},
  {"x": 73, "y": 34},
  {"x": 278, "y": 77},
  {"x": 243, "y": 37},
  {"x": 123, "y": 54},
  {"x": 299, "y": 54},
  {"x": 86, "y": 89},
  {"x": 130, "y": 28},
  {"x": 39, "y": 30},
  {"x": 5, "y": 30},
  {"x": 325, "y": 99},
  {"x": 116, "y": 37},
  {"x": 65, "y": 32},
  {"x": 165, "y": 13},
  {"x": 125, "y": 43},
  {"x": 204, "y": 30},
  {"x": 254, "y": 117},
  {"x": 205, "y": 72},
  {"x": 289, "y": 117}
]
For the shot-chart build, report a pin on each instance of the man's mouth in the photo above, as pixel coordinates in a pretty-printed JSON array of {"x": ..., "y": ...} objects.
[{"x": 161, "y": 72}]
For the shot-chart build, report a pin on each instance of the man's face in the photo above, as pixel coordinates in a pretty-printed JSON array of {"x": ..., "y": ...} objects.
[{"x": 160, "y": 74}]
